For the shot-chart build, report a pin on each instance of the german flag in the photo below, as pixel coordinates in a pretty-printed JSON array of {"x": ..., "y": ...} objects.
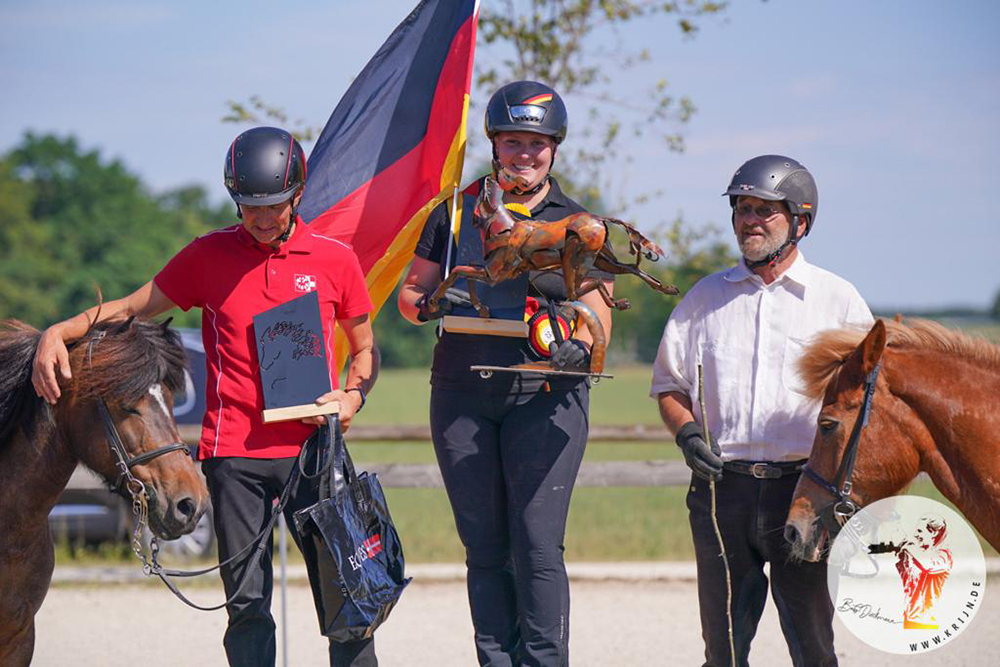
[{"x": 394, "y": 147}]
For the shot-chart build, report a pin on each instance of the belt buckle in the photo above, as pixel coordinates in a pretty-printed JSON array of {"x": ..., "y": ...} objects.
[{"x": 763, "y": 471}]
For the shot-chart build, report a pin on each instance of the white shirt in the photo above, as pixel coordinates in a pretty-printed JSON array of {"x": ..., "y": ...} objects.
[{"x": 748, "y": 337}]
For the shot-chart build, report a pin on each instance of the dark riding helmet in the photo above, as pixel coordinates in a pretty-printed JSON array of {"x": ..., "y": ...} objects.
[
  {"x": 526, "y": 106},
  {"x": 777, "y": 178},
  {"x": 264, "y": 166}
]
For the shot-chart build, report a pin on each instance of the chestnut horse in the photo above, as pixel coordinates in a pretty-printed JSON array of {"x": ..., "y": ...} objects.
[
  {"x": 115, "y": 416},
  {"x": 933, "y": 410}
]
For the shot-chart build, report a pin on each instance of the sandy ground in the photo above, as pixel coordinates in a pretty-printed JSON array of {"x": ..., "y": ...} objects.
[{"x": 614, "y": 622}]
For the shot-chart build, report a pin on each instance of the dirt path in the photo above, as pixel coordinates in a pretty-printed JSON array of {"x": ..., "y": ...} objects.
[{"x": 614, "y": 624}]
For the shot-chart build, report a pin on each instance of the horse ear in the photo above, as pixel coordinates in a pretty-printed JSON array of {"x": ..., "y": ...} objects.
[
  {"x": 872, "y": 347},
  {"x": 124, "y": 326}
]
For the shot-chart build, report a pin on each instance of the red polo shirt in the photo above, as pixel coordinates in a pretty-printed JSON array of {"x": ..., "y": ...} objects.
[{"x": 232, "y": 277}]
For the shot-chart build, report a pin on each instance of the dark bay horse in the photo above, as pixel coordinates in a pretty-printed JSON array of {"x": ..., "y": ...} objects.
[
  {"x": 124, "y": 377},
  {"x": 934, "y": 409}
]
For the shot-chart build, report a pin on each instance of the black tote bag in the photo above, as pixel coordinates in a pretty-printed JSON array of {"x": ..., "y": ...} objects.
[{"x": 350, "y": 545}]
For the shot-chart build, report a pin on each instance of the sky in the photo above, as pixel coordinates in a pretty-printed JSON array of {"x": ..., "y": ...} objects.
[{"x": 893, "y": 106}]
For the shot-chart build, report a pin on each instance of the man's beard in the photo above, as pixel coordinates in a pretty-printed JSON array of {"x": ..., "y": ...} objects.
[{"x": 770, "y": 244}]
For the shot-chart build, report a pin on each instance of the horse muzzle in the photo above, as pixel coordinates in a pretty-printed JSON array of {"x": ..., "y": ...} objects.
[{"x": 171, "y": 516}]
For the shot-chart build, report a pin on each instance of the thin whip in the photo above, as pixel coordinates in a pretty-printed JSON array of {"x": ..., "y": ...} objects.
[{"x": 715, "y": 522}]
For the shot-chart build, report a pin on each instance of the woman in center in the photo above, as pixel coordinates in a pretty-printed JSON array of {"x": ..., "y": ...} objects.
[{"x": 510, "y": 446}]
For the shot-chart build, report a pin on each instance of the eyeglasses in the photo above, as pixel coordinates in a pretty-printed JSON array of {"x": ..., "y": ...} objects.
[{"x": 762, "y": 211}]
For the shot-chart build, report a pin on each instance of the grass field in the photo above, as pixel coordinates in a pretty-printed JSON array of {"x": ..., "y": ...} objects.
[
  {"x": 402, "y": 396},
  {"x": 617, "y": 524}
]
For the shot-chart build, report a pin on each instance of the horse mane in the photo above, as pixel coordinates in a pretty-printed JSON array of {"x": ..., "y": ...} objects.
[
  {"x": 825, "y": 356},
  {"x": 119, "y": 361},
  {"x": 115, "y": 360},
  {"x": 17, "y": 397}
]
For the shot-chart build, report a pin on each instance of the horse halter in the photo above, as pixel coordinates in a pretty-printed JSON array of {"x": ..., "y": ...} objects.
[{"x": 837, "y": 513}]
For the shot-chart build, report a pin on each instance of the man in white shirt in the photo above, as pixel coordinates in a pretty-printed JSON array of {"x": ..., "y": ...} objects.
[{"x": 747, "y": 327}]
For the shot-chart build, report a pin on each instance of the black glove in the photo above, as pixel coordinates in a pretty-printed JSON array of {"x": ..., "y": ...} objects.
[
  {"x": 705, "y": 461},
  {"x": 452, "y": 297},
  {"x": 570, "y": 355}
]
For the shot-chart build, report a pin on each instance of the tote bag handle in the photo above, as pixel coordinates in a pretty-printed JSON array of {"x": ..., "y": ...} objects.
[{"x": 338, "y": 475}]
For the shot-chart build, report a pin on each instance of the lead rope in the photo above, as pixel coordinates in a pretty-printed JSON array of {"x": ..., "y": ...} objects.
[{"x": 715, "y": 523}]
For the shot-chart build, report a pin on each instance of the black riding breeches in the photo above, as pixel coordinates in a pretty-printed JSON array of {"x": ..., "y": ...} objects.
[{"x": 509, "y": 464}]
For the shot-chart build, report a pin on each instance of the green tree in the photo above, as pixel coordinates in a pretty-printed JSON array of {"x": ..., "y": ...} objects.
[
  {"x": 691, "y": 255},
  {"x": 28, "y": 273},
  {"x": 80, "y": 222},
  {"x": 402, "y": 345},
  {"x": 580, "y": 48},
  {"x": 996, "y": 306}
]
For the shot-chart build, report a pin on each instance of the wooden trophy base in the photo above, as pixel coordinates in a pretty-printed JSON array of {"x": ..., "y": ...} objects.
[
  {"x": 538, "y": 367},
  {"x": 293, "y": 412},
  {"x": 488, "y": 326}
]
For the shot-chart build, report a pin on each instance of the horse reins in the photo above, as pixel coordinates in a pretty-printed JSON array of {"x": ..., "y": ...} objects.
[
  {"x": 259, "y": 542},
  {"x": 837, "y": 513}
]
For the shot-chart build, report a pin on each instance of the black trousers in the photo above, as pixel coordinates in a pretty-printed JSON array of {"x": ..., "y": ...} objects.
[
  {"x": 242, "y": 491},
  {"x": 751, "y": 514},
  {"x": 509, "y": 464}
]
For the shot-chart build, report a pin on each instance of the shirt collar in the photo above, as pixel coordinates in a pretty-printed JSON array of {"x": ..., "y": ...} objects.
[
  {"x": 799, "y": 272},
  {"x": 554, "y": 197}
]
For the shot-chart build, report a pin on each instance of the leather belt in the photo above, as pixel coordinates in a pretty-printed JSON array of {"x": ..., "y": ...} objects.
[{"x": 764, "y": 469}]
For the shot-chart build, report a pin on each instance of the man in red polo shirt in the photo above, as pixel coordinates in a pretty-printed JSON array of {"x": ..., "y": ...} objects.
[{"x": 233, "y": 274}]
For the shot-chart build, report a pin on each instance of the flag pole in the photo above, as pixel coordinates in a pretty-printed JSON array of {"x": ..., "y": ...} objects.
[{"x": 452, "y": 240}]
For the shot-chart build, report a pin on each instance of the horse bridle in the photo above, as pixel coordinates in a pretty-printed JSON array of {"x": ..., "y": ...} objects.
[
  {"x": 838, "y": 512},
  {"x": 123, "y": 461}
]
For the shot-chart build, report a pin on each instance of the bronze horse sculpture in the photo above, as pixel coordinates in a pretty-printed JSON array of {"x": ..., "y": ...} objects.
[
  {"x": 574, "y": 245},
  {"x": 933, "y": 410},
  {"x": 114, "y": 416}
]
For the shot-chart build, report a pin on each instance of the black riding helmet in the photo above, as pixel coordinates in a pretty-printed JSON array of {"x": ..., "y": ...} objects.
[
  {"x": 264, "y": 166},
  {"x": 526, "y": 106},
  {"x": 777, "y": 178}
]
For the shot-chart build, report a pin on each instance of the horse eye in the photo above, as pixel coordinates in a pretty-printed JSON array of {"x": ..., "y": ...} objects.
[
  {"x": 828, "y": 425},
  {"x": 132, "y": 411}
]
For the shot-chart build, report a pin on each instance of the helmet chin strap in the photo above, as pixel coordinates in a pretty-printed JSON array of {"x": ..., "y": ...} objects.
[
  {"x": 772, "y": 259},
  {"x": 517, "y": 191},
  {"x": 291, "y": 225}
]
